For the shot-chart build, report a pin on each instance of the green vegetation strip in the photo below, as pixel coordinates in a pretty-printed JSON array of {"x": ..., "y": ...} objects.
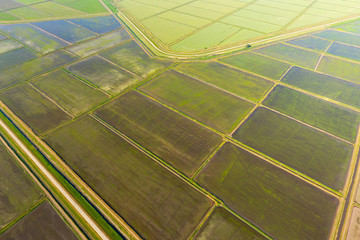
[{"x": 81, "y": 199}]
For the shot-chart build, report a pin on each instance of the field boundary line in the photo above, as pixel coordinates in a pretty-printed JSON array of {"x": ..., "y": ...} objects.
[
  {"x": 158, "y": 160},
  {"x": 308, "y": 125},
  {"x": 117, "y": 65},
  {"x": 55, "y": 183},
  {"x": 52, "y": 100},
  {"x": 202, "y": 222},
  {"x": 322, "y": 55},
  {"x": 56, "y": 203},
  {"x": 42, "y": 30},
  {"x": 221, "y": 51},
  {"x": 351, "y": 191},
  {"x": 286, "y": 168}
]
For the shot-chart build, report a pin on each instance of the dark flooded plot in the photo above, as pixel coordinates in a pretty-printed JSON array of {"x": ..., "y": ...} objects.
[
  {"x": 155, "y": 202},
  {"x": 340, "y": 36},
  {"x": 282, "y": 205},
  {"x": 99, "y": 25},
  {"x": 291, "y": 54},
  {"x": 312, "y": 43},
  {"x": 15, "y": 57},
  {"x": 33, "y": 37},
  {"x": 65, "y": 30},
  {"x": 345, "y": 51},
  {"x": 42, "y": 223}
]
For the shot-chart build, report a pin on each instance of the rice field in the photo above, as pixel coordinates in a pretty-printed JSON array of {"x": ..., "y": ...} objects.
[
  {"x": 257, "y": 144},
  {"x": 203, "y": 25}
]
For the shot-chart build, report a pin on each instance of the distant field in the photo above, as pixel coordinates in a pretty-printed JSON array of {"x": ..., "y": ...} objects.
[
  {"x": 164, "y": 140},
  {"x": 18, "y": 193},
  {"x": 158, "y": 204},
  {"x": 198, "y": 26},
  {"x": 23, "y": 10},
  {"x": 42, "y": 223}
]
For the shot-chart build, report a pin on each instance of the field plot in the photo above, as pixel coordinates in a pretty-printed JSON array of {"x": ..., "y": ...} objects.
[
  {"x": 99, "y": 25},
  {"x": 258, "y": 64},
  {"x": 158, "y": 204},
  {"x": 34, "y": 109},
  {"x": 331, "y": 87},
  {"x": 133, "y": 58},
  {"x": 291, "y": 54},
  {"x": 65, "y": 30},
  {"x": 177, "y": 140},
  {"x": 28, "y": 70},
  {"x": 18, "y": 193},
  {"x": 240, "y": 83},
  {"x": 345, "y": 51},
  {"x": 15, "y": 57},
  {"x": 101, "y": 43},
  {"x": 257, "y": 190},
  {"x": 69, "y": 92},
  {"x": 206, "y": 104},
  {"x": 312, "y": 43},
  {"x": 327, "y": 116},
  {"x": 42, "y": 223},
  {"x": 223, "y": 225},
  {"x": 202, "y": 25},
  {"x": 8, "y": 45},
  {"x": 340, "y": 36},
  {"x": 316, "y": 154},
  {"x": 38, "y": 9},
  {"x": 340, "y": 68},
  {"x": 33, "y": 37},
  {"x": 353, "y": 27},
  {"x": 103, "y": 74}
]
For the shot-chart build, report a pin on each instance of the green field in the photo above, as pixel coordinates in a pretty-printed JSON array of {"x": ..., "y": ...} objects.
[
  {"x": 42, "y": 223},
  {"x": 8, "y": 45},
  {"x": 15, "y": 57},
  {"x": 104, "y": 42},
  {"x": 258, "y": 64},
  {"x": 331, "y": 87},
  {"x": 291, "y": 54},
  {"x": 232, "y": 80},
  {"x": 34, "y": 109},
  {"x": 23, "y": 72},
  {"x": 223, "y": 225},
  {"x": 68, "y": 91},
  {"x": 203, "y": 26},
  {"x": 33, "y": 37},
  {"x": 316, "y": 44},
  {"x": 177, "y": 140},
  {"x": 340, "y": 68},
  {"x": 206, "y": 104},
  {"x": 133, "y": 58},
  {"x": 158, "y": 204},
  {"x": 316, "y": 154},
  {"x": 103, "y": 74},
  {"x": 256, "y": 190},
  {"x": 327, "y": 116},
  {"x": 18, "y": 193}
]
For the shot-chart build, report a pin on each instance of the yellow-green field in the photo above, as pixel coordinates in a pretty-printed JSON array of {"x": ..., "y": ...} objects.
[{"x": 185, "y": 26}]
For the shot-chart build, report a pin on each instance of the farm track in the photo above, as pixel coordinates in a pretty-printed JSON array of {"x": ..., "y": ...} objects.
[{"x": 54, "y": 182}]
